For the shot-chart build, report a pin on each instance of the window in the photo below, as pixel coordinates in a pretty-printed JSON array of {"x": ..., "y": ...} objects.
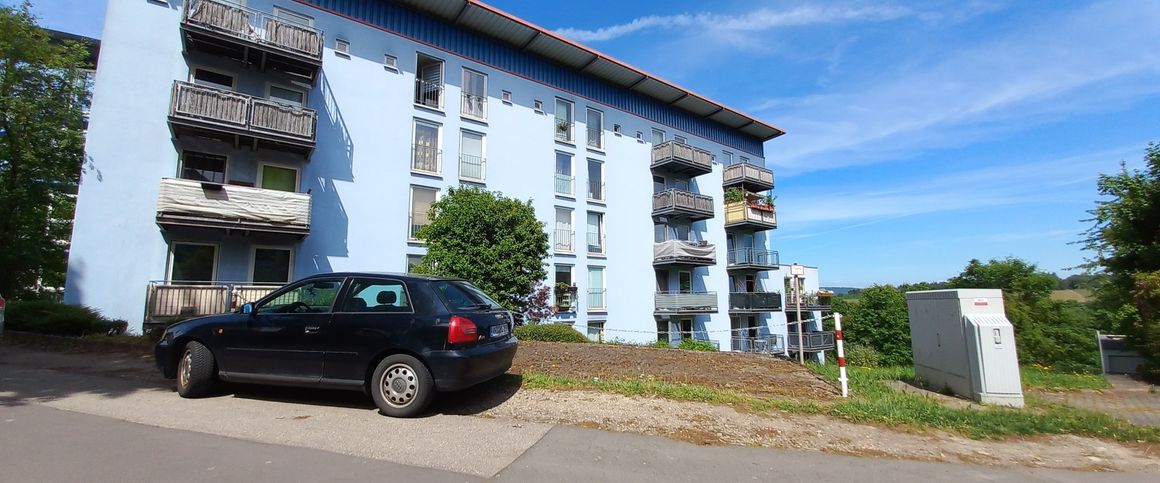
[
  {"x": 658, "y": 184},
  {"x": 281, "y": 178},
  {"x": 596, "y": 330},
  {"x": 429, "y": 82},
  {"x": 286, "y": 95},
  {"x": 564, "y": 121},
  {"x": 471, "y": 160},
  {"x": 271, "y": 265},
  {"x": 421, "y": 200},
  {"x": 209, "y": 78},
  {"x": 564, "y": 235},
  {"x": 595, "y": 180},
  {"x": 413, "y": 261},
  {"x": 658, "y": 136},
  {"x": 390, "y": 62},
  {"x": 341, "y": 48},
  {"x": 426, "y": 150},
  {"x": 563, "y": 288},
  {"x": 680, "y": 140},
  {"x": 616, "y": 129},
  {"x": 474, "y": 102},
  {"x": 640, "y": 136},
  {"x": 371, "y": 295},
  {"x": 681, "y": 184},
  {"x": 208, "y": 168},
  {"x": 283, "y": 14},
  {"x": 314, "y": 296},
  {"x": 564, "y": 174},
  {"x": 506, "y": 96},
  {"x": 192, "y": 262},
  {"x": 663, "y": 331},
  {"x": 685, "y": 282},
  {"x": 596, "y": 290},
  {"x": 595, "y": 233},
  {"x": 538, "y": 106},
  {"x": 595, "y": 125},
  {"x": 660, "y": 233},
  {"x": 728, "y": 157},
  {"x": 744, "y": 160}
]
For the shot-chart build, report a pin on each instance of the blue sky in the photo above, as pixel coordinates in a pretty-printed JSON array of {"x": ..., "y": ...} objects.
[{"x": 920, "y": 134}]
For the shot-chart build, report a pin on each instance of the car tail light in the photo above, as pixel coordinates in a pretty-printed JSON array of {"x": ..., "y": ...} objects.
[{"x": 461, "y": 331}]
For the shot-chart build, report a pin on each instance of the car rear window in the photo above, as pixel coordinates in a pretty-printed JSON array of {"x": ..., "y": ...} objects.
[{"x": 464, "y": 296}]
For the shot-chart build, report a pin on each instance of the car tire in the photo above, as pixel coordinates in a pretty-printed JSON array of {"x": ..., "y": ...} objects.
[
  {"x": 196, "y": 371},
  {"x": 402, "y": 386}
]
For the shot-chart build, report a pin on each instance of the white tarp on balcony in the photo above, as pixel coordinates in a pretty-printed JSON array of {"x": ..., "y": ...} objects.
[
  {"x": 676, "y": 249},
  {"x": 189, "y": 198}
]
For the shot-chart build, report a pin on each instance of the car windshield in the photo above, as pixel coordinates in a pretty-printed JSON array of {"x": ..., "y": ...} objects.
[{"x": 464, "y": 296}]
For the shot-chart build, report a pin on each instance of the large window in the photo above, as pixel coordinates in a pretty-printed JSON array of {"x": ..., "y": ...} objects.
[
  {"x": 272, "y": 265},
  {"x": 595, "y": 233},
  {"x": 565, "y": 120},
  {"x": 209, "y": 168},
  {"x": 284, "y": 14},
  {"x": 209, "y": 78},
  {"x": 596, "y": 290},
  {"x": 685, "y": 281},
  {"x": 429, "y": 82},
  {"x": 595, "y": 125},
  {"x": 471, "y": 160},
  {"x": 564, "y": 184},
  {"x": 728, "y": 157},
  {"x": 192, "y": 262},
  {"x": 371, "y": 295},
  {"x": 426, "y": 152},
  {"x": 421, "y": 200},
  {"x": 595, "y": 180},
  {"x": 564, "y": 235},
  {"x": 474, "y": 102},
  {"x": 286, "y": 95},
  {"x": 281, "y": 178},
  {"x": 658, "y": 136}
]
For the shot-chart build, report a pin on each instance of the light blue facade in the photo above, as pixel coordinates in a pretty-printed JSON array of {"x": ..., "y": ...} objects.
[{"x": 359, "y": 175}]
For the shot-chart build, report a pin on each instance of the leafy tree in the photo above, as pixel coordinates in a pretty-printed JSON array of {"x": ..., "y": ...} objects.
[
  {"x": 495, "y": 242},
  {"x": 42, "y": 91},
  {"x": 1013, "y": 275},
  {"x": 878, "y": 320},
  {"x": 1126, "y": 243}
]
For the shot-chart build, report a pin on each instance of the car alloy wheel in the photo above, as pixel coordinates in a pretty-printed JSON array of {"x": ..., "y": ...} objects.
[
  {"x": 399, "y": 385},
  {"x": 184, "y": 368}
]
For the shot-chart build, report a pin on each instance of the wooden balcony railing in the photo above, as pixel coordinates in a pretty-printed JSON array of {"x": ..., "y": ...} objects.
[
  {"x": 237, "y": 113},
  {"x": 751, "y": 177},
  {"x": 682, "y": 158},
  {"x": 167, "y": 300},
  {"x": 744, "y": 213},
  {"x": 254, "y": 27},
  {"x": 680, "y": 202}
]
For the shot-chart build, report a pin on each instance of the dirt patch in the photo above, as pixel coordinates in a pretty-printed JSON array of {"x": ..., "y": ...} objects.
[{"x": 756, "y": 375}]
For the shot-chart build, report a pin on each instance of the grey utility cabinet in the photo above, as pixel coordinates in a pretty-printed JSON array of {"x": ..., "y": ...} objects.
[{"x": 962, "y": 341}]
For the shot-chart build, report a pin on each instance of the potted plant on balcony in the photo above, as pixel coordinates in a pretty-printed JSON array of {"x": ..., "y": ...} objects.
[
  {"x": 565, "y": 294},
  {"x": 734, "y": 195},
  {"x": 561, "y": 127},
  {"x": 763, "y": 204}
]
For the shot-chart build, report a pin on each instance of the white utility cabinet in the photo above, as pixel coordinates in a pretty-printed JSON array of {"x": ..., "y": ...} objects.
[{"x": 962, "y": 341}]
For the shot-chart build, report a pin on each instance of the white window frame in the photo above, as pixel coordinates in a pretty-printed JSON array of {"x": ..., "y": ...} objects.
[
  {"x": 438, "y": 146},
  {"x": 505, "y": 96},
  {"x": 254, "y": 261},
  {"x": 463, "y": 92},
  {"x": 556, "y": 229},
  {"x": 681, "y": 273},
  {"x": 663, "y": 135},
  {"x": 217, "y": 253},
  {"x": 390, "y": 62},
  {"x": 571, "y": 173},
  {"x": 181, "y": 164},
  {"x": 442, "y": 80},
  {"x": 587, "y": 124},
  {"x": 600, "y": 233},
  {"x": 293, "y": 16},
  {"x": 482, "y": 156},
  {"x": 297, "y": 174},
  {"x": 681, "y": 140},
  {"x": 269, "y": 92},
  {"x": 342, "y": 47},
  {"x": 538, "y": 106},
  {"x": 193, "y": 68},
  {"x": 743, "y": 160},
  {"x": 603, "y": 193},
  {"x": 571, "y": 111},
  {"x": 411, "y": 207},
  {"x": 728, "y": 157},
  {"x": 603, "y": 286}
]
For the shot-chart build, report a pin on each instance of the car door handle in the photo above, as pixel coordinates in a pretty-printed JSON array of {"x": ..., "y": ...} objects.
[{"x": 312, "y": 329}]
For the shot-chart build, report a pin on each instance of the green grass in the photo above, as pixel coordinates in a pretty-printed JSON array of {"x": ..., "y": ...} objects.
[{"x": 1039, "y": 378}]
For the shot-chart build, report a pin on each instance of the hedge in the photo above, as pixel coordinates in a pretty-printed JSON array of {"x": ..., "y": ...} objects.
[
  {"x": 54, "y": 318},
  {"x": 550, "y": 333}
]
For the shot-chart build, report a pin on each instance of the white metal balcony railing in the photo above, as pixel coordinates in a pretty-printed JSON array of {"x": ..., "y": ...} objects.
[
  {"x": 473, "y": 106},
  {"x": 564, "y": 130},
  {"x": 673, "y": 151},
  {"x": 565, "y": 241},
  {"x": 744, "y": 212},
  {"x": 236, "y": 111},
  {"x": 595, "y": 137},
  {"x": 429, "y": 94},
  {"x": 676, "y": 302},
  {"x": 596, "y": 243},
  {"x": 746, "y": 172},
  {"x": 564, "y": 184},
  {"x": 426, "y": 158},
  {"x": 249, "y": 25},
  {"x": 674, "y": 199},
  {"x": 183, "y": 201},
  {"x": 773, "y": 344},
  {"x": 595, "y": 190},
  {"x": 753, "y": 256},
  {"x": 165, "y": 300},
  {"x": 471, "y": 167},
  {"x": 596, "y": 299}
]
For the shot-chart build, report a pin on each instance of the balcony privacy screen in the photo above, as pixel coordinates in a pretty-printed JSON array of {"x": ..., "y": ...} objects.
[
  {"x": 675, "y": 249},
  {"x": 185, "y": 197}
]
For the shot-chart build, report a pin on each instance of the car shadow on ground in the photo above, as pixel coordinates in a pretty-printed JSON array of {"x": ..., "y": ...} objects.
[{"x": 468, "y": 402}]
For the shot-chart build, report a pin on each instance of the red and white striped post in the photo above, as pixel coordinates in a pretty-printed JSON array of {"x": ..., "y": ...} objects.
[{"x": 841, "y": 355}]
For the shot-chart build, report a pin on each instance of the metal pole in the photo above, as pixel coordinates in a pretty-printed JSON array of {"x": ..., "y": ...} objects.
[
  {"x": 797, "y": 290},
  {"x": 841, "y": 354}
]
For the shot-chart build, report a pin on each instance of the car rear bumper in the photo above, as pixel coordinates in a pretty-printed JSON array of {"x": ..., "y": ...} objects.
[{"x": 460, "y": 369}]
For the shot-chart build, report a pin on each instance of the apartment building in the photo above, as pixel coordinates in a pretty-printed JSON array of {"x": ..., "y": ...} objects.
[{"x": 240, "y": 144}]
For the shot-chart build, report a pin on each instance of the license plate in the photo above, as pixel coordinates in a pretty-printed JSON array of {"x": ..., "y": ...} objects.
[{"x": 498, "y": 330}]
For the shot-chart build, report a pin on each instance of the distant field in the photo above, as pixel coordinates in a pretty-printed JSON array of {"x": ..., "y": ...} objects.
[{"x": 1076, "y": 295}]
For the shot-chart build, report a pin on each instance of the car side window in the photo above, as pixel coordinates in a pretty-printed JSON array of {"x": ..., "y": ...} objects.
[
  {"x": 315, "y": 296},
  {"x": 371, "y": 295}
]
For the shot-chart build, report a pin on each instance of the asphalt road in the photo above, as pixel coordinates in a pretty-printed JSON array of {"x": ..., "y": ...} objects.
[{"x": 67, "y": 425}]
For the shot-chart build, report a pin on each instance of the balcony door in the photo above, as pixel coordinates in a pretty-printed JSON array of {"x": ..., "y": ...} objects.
[
  {"x": 564, "y": 233},
  {"x": 271, "y": 265},
  {"x": 192, "y": 263}
]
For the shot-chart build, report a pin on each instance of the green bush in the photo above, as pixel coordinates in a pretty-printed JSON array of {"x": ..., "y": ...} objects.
[
  {"x": 43, "y": 317},
  {"x": 549, "y": 333},
  {"x": 697, "y": 345},
  {"x": 859, "y": 355},
  {"x": 661, "y": 344}
]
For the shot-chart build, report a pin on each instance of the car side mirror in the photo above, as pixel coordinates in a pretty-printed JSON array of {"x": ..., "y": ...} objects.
[{"x": 248, "y": 309}]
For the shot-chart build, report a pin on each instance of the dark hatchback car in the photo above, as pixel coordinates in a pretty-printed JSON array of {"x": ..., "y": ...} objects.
[{"x": 400, "y": 338}]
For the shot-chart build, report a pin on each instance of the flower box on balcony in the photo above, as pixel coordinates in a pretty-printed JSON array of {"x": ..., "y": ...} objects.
[{"x": 760, "y": 206}]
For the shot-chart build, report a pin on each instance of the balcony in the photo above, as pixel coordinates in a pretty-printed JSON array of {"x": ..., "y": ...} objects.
[
  {"x": 752, "y": 259},
  {"x": 685, "y": 303},
  {"x": 750, "y": 215},
  {"x": 473, "y": 106},
  {"x": 565, "y": 241},
  {"x": 565, "y": 185},
  {"x": 241, "y": 119},
  {"x": 429, "y": 94},
  {"x": 810, "y": 301},
  {"x": 754, "y": 302},
  {"x": 471, "y": 168},
  {"x": 166, "y": 300},
  {"x": 597, "y": 301},
  {"x": 252, "y": 37},
  {"x": 684, "y": 253},
  {"x": 682, "y": 204},
  {"x": 748, "y": 177},
  {"x": 811, "y": 341},
  {"x": 774, "y": 344},
  {"x": 681, "y": 158},
  {"x": 188, "y": 203}
]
